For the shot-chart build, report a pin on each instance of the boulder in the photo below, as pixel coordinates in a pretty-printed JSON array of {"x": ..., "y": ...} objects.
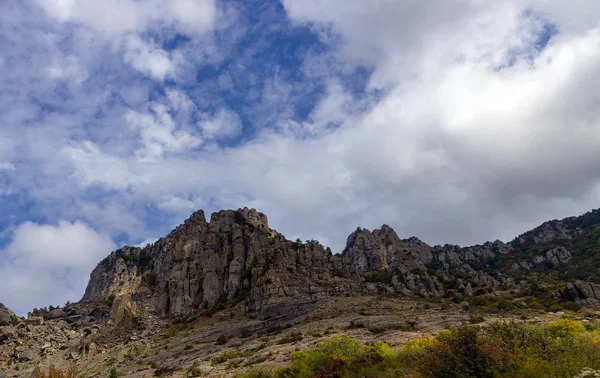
[
  {"x": 123, "y": 307},
  {"x": 57, "y": 313},
  {"x": 63, "y": 325},
  {"x": 27, "y": 356},
  {"x": 35, "y": 320},
  {"x": 8, "y": 332},
  {"x": 4, "y": 317}
]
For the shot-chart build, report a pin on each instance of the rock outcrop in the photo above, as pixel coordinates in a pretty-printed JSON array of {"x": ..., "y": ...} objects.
[
  {"x": 236, "y": 259},
  {"x": 581, "y": 292}
]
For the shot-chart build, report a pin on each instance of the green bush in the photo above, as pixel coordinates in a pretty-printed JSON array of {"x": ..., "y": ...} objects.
[
  {"x": 221, "y": 340},
  {"x": 291, "y": 338},
  {"x": 381, "y": 276},
  {"x": 329, "y": 356},
  {"x": 510, "y": 349},
  {"x": 226, "y": 356}
]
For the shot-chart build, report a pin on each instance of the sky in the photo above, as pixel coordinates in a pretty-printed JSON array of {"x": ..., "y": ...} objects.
[{"x": 455, "y": 121}]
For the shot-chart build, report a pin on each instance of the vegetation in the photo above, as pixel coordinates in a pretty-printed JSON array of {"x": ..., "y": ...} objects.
[
  {"x": 560, "y": 349},
  {"x": 221, "y": 340},
  {"x": 379, "y": 277},
  {"x": 54, "y": 372},
  {"x": 296, "y": 244},
  {"x": 291, "y": 338},
  {"x": 226, "y": 356},
  {"x": 150, "y": 279}
]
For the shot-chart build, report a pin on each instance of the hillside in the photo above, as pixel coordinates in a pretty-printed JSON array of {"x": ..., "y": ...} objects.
[{"x": 232, "y": 284}]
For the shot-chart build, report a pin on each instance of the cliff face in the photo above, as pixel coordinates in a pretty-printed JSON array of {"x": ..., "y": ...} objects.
[
  {"x": 233, "y": 258},
  {"x": 236, "y": 259}
]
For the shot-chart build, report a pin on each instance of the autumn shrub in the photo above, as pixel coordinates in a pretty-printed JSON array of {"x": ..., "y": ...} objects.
[
  {"x": 54, "y": 372},
  {"x": 563, "y": 348}
]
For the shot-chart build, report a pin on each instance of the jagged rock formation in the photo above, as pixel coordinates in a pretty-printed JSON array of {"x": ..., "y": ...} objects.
[{"x": 235, "y": 258}]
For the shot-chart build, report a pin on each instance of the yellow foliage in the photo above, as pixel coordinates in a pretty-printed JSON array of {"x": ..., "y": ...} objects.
[
  {"x": 565, "y": 328},
  {"x": 418, "y": 345}
]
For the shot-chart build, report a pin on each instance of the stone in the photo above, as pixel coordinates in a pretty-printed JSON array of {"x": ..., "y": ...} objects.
[
  {"x": 56, "y": 314},
  {"x": 35, "y": 320},
  {"x": 63, "y": 324},
  {"x": 5, "y": 317},
  {"x": 123, "y": 307},
  {"x": 27, "y": 356},
  {"x": 74, "y": 318},
  {"x": 8, "y": 332}
]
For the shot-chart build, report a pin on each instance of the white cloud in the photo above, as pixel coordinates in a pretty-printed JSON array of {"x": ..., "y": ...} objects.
[
  {"x": 159, "y": 133},
  {"x": 67, "y": 68},
  {"x": 7, "y": 166},
  {"x": 181, "y": 206},
  {"x": 93, "y": 166},
  {"x": 224, "y": 124},
  {"x": 116, "y": 17},
  {"x": 49, "y": 264},
  {"x": 454, "y": 138},
  {"x": 149, "y": 59}
]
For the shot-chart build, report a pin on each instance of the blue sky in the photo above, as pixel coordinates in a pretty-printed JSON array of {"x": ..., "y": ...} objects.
[{"x": 460, "y": 122}]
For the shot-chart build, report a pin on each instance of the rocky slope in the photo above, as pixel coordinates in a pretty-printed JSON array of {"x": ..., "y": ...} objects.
[{"x": 234, "y": 266}]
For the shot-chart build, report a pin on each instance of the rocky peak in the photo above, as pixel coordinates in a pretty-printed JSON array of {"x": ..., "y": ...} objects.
[
  {"x": 383, "y": 249},
  {"x": 236, "y": 260},
  {"x": 6, "y": 316},
  {"x": 117, "y": 274}
]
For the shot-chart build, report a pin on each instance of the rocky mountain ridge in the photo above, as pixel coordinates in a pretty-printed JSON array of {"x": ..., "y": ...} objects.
[{"x": 235, "y": 259}]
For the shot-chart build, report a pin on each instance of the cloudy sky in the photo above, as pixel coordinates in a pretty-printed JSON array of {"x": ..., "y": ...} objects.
[{"x": 455, "y": 121}]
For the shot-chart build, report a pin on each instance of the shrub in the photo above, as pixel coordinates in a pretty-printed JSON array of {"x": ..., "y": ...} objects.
[
  {"x": 510, "y": 349},
  {"x": 329, "y": 356},
  {"x": 226, "y": 356},
  {"x": 221, "y": 340},
  {"x": 54, "y": 372},
  {"x": 459, "y": 353},
  {"x": 194, "y": 371},
  {"x": 355, "y": 325},
  {"x": 381, "y": 276},
  {"x": 291, "y": 338},
  {"x": 150, "y": 278},
  {"x": 188, "y": 347},
  {"x": 565, "y": 328}
]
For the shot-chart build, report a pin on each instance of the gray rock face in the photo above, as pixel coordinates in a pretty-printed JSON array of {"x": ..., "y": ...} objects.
[
  {"x": 115, "y": 275},
  {"x": 235, "y": 258},
  {"x": 4, "y": 317},
  {"x": 558, "y": 255},
  {"x": 57, "y": 313},
  {"x": 582, "y": 292},
  {"x": 550, "y": 231},
  {"x": 554, "y": 256},
  {"x": 35, "y": 320}
]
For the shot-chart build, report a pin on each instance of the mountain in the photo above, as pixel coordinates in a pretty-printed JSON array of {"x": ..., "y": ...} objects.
[
  {"x": 237, "y": 269},
  {"x": 236, "y": 259}
]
